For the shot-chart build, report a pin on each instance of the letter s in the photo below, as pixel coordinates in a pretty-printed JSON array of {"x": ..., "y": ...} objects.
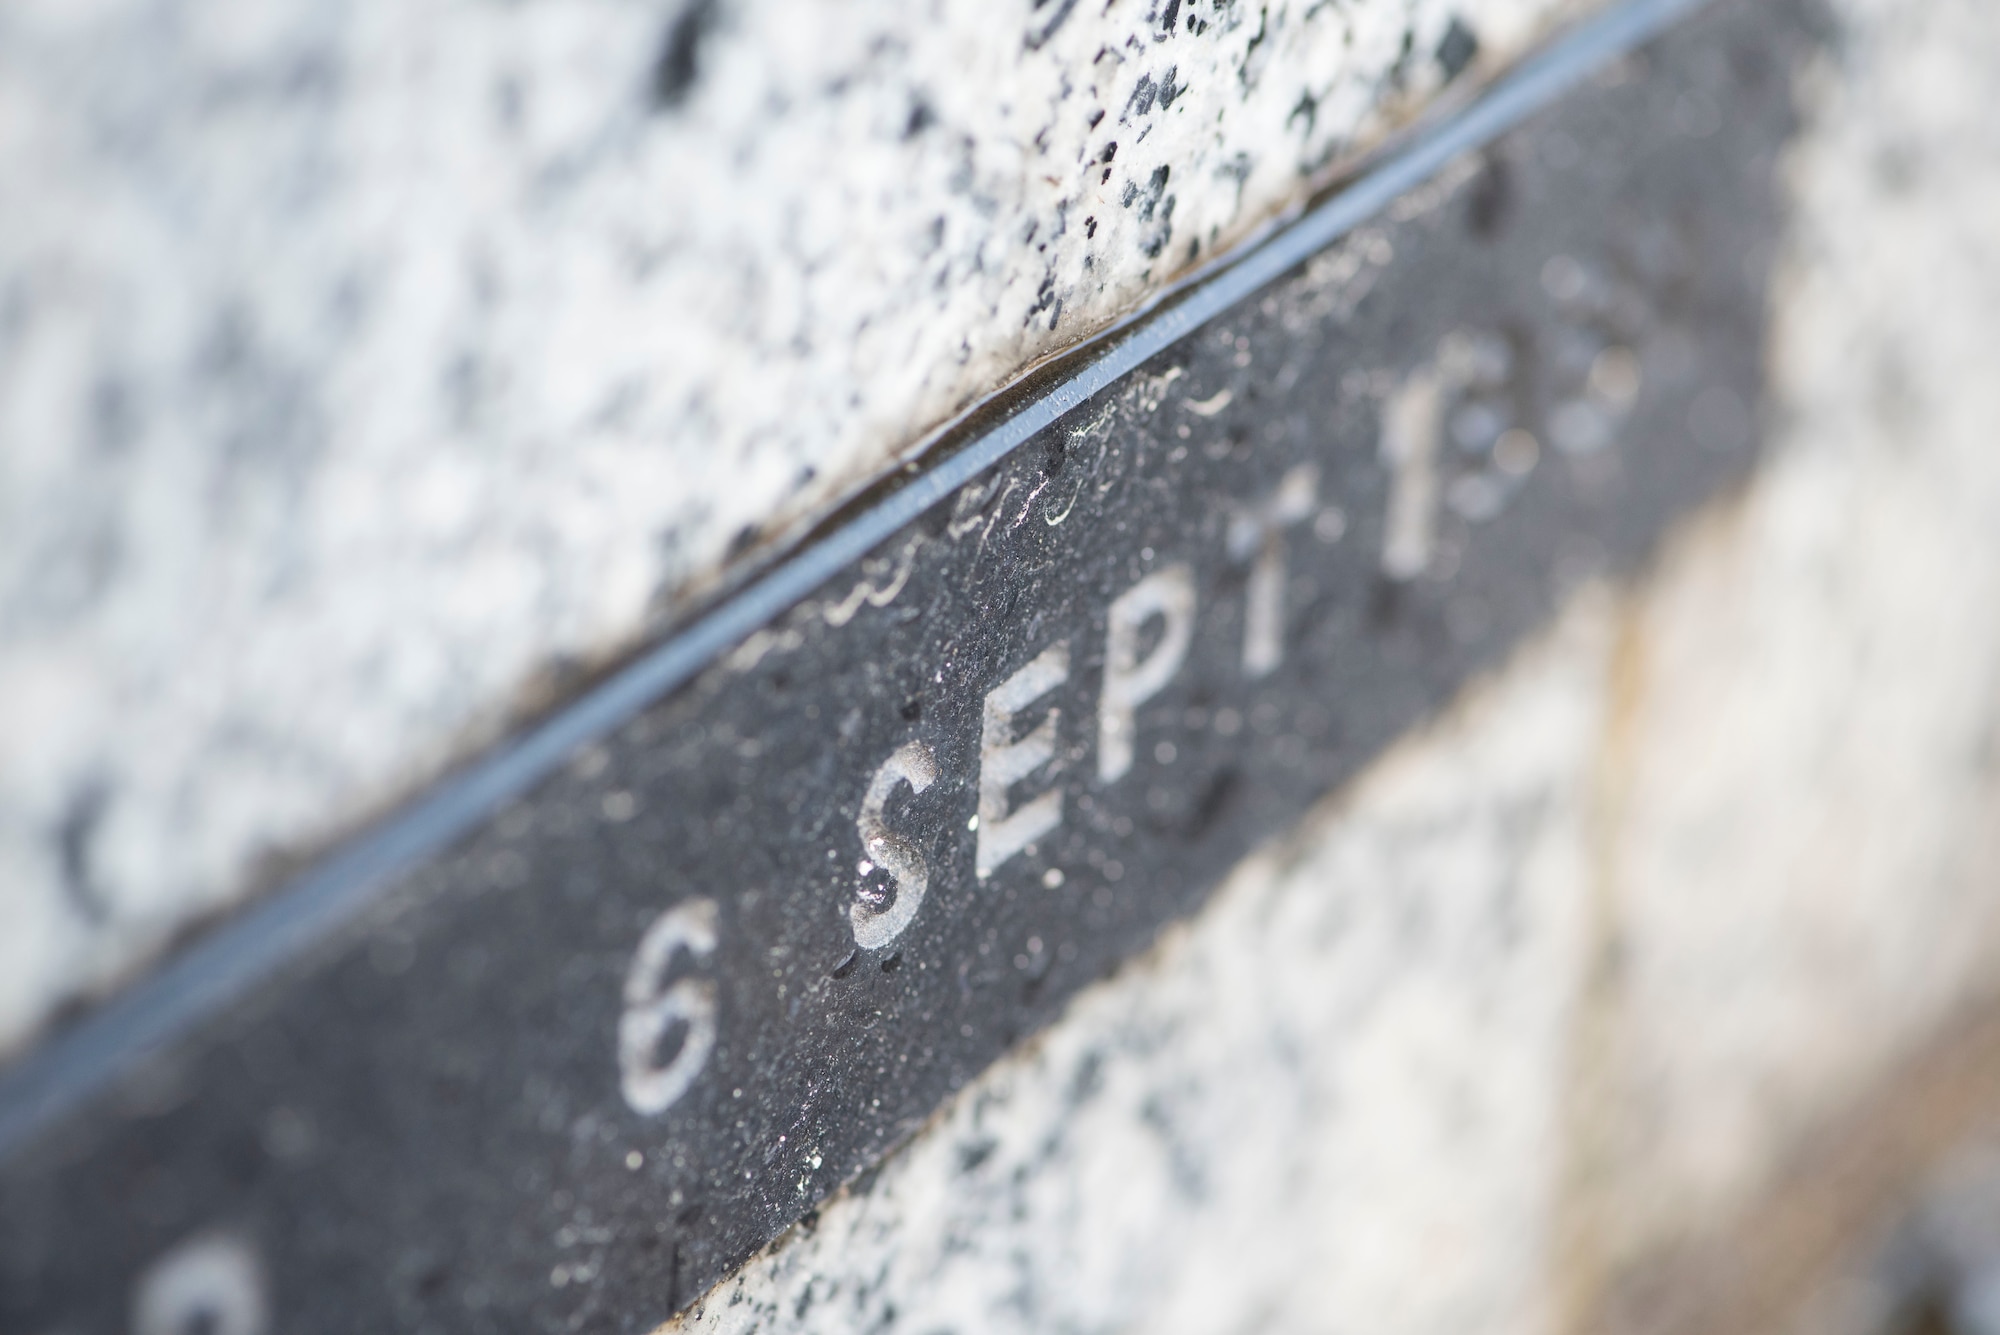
[{"x": 911, "y": 763}]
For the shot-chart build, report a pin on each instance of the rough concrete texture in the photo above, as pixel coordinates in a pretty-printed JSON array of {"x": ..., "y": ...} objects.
[
  {"x": 1562, "y": 984},
  {"x": 365, "y": 368}
]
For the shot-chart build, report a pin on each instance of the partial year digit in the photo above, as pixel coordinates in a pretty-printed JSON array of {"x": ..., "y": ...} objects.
[
  {"x": 208, "y": 1285},
  {"x": 652, "y": 1085}
]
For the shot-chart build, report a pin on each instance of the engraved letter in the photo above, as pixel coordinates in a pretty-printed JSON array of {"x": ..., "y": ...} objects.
[
  {"x": 1004, "y": 762},
  {"x": 1410, "y": 424},
  {"x": 1260, "y": 532},
  {"x": 210, "y": 1283},
  {"x": 875, "y": 927},
  {"x": 652, "y": 1008},
  {"x": 1129, "y": 683}
]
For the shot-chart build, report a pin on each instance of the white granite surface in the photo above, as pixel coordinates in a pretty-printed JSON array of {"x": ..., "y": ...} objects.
[
  {"x": 1565, "y": 980},
  {"x": 1331, "y": 1101},
  {"x": 366, "y": 367}
]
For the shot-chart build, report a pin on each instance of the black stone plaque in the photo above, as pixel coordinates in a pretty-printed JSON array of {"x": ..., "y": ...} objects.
[{"x": 566, "y": 1067}]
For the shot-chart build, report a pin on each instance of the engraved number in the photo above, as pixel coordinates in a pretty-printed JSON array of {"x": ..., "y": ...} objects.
[
  {"x": 208, "y": 1285},
  {"x": 652, "y": 1009}
]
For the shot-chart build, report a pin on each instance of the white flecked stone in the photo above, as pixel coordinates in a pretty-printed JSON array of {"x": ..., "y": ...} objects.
[
  {"x": 1336, "y": 1092},
  {"x": 1563, "y": 981},
  {"x": 1807, "y": 800},
  {"x": 362, "y": 365}
]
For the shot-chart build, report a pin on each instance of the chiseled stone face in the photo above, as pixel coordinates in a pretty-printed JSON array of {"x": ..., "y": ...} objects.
[{"x": 363, "y": 366}]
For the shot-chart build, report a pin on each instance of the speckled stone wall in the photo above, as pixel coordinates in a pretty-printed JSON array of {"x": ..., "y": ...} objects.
[
  {"x": 1581, "y": 977},
  {"x": 336, "y": 411},
  {"x": 366, "y": 369}
]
